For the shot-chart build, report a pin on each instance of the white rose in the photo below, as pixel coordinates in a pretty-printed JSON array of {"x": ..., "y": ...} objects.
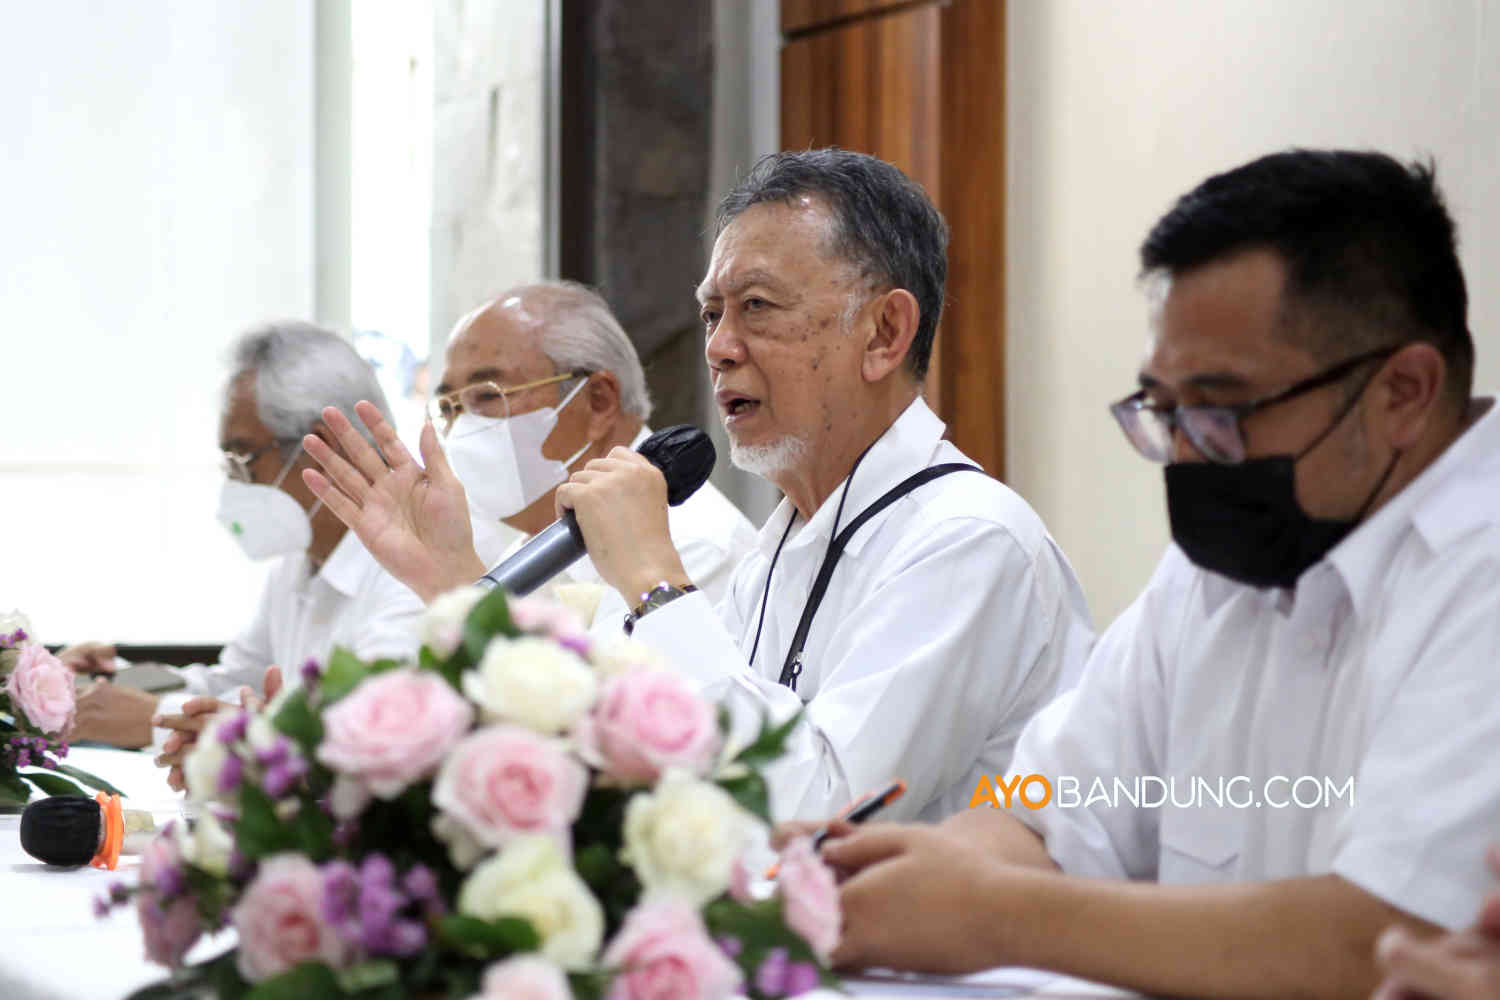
[
  {"x": 530, "y": 879},
  {"x": 532, "y": 682},
  {"x": 200, "y": 770},
  {"x": 621, "y": 654},
  {"x": 683, "y": 838},
  {"x": 12, "y": 620},
  {"x": 580, "y": 597},
  {"x": 443, "y": 626},
  {"x": 208, "y": 846}
]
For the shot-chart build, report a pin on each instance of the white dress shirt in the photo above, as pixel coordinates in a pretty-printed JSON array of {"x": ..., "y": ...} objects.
[
  {"x": 948, "y": 622},
  {"x": 350, "y": 601},
  {"x": 1382, "y": 665},
  {"x": 710, "y": 533}
]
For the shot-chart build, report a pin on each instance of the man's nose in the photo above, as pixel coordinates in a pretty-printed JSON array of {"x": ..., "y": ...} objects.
[
  {"x": 724, "y": 348},
  {"x": 1183, "y": 449}
]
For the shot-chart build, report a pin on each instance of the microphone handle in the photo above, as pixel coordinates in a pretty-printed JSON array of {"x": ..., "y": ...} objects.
[{"x": 553, "y": 550}]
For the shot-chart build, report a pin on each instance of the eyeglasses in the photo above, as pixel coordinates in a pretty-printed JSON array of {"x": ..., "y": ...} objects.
[
  {"x": 485, "y": 399},
  {"x": 1215, "y": 431},
  {"x": 236, "y": 464}
]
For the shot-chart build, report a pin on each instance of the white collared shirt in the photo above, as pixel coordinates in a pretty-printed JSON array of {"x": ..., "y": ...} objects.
[
  {"x": 1382, "y": 665},
  {"x": 948, "y": 622},
  {"x": 350, "y": 601},
  {"x": 709, "y": 532}
]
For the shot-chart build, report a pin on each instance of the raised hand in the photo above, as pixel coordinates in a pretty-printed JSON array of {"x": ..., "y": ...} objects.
[{"x": 413, "y": 520}]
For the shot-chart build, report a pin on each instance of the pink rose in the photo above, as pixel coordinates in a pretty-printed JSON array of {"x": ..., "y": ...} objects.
[
  {"x": 41, "y": 687},
  {"x": 393, "y": 729},
  {"x": 663, "y": 953},
  {"x": 810, "y": 897},
  {"x": 525, "y": 977},
  {"x": 538, "y": 615},
  {"x": 169, "y": 922},
  {"x": 280, "y": 920},
  {"x": 646, "y": 721},
  {"x": 502, "y": 782}
]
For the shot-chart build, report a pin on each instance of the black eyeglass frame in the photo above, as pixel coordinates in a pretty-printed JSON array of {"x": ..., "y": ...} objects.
[{"x": 1128, "y": 412}]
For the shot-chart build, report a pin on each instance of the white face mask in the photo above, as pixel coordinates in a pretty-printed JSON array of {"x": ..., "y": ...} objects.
[
  {"x": 265, "y": 520},
  {"x": 500, "y": 462}
]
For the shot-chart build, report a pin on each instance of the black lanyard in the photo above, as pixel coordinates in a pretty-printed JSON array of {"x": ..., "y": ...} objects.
[{"x": 791, "y": 668}]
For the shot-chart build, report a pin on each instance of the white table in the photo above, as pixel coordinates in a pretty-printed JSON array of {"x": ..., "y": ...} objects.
[{"x": 53, "y": 948}]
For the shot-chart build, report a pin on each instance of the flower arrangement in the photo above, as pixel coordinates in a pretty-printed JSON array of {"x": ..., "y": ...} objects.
[
  {"x": 524, "y": 812},
  {"x": 37, "y": 705}
]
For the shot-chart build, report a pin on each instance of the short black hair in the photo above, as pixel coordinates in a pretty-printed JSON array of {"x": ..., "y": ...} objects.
[
  {"x": 884, "y": 224},
  {"x": 1369, "y": 248}
]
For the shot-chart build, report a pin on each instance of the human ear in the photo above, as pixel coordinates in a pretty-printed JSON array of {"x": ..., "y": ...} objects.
[
  {"x": 1407, "y": 394},
  {"x": 894, "y": 327}
]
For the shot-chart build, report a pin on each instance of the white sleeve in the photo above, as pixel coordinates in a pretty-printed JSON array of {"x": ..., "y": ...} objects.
[
  {"x": 1112, "y": 723},
  {"x": 1427, "y": 792},
  {"x": 925, "y": 667},
  {"x": 389, "y": 625}
]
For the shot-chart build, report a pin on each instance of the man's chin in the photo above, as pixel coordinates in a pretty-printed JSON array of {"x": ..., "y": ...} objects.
[{"x": 767, "y": 459}]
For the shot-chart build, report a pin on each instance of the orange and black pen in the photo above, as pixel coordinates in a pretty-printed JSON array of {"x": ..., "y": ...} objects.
[{"x": 858, "y": 811}]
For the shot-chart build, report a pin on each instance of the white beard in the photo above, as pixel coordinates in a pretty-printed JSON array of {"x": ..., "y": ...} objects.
[{"x": 768, "y": 460}]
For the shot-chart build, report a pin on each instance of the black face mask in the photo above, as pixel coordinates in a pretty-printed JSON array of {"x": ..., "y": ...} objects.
[{"x": 1244, "y": 522}]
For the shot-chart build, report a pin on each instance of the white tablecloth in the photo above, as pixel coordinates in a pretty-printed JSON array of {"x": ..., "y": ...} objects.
[{"x": 54, "y": 949}]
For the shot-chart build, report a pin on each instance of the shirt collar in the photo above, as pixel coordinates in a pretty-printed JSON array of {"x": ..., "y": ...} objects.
[
  {"x": 345, "y": 565},
  {"x": 1449, "y": 497},
  {"x": 907, "y": 446}
]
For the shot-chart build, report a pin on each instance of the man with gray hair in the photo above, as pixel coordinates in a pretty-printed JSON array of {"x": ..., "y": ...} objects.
[
  {"x": 324, "y": 590},
  {"x": 915, "y": 610},
  {"x": 535, "y": 383}
]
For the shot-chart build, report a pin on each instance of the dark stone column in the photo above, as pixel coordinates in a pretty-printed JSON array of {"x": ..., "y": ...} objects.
[{"x": 636, "y": 107}]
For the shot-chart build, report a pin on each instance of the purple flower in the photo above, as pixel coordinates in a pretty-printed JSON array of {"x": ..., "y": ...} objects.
[
  {"x": 240, "y": 867},
  {"x": 101, "y": 907},
  {"x": 311, "y": 672},
  {"x": 233, "y": 731},
  {"x": 420, "y": 883},
  {"x": 282, "y": 777},
  {"x": 340, "y": 892},
  {"x": 169, "y": 882},
  {"x": 118, "y": 893},
  {"x": 377, "y": 868},
  {"x": 230, "y": 776},
  {"x": 579, "y": 644},
  {"x": 275, "y": 754},
  {"x": 801, "y": 977},
  {"x": 771, "y": 977},
  {"x": 730, "y": 946}
]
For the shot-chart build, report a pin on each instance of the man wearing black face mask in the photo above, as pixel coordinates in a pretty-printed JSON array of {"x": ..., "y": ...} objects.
[{"x": 1313, "y": 672}]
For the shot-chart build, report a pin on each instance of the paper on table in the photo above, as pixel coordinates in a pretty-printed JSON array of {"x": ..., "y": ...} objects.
[{"x": 990, "y": 983}]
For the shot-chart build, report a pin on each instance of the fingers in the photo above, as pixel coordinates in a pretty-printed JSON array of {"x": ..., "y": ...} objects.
[
  {"x": 396, "y": 455},
  {"x": 175, "y": 780},
  {"x": 1437, "y": 966},
  {"x": 356, "y": 449},
  {"x": 183, "y": 722},
  {"x": 785, "y": 833},
  {"x": 867, "y": 846},
  {"x": 345, "y": 477},
  {"x": 272, "y": 683},
  {"x": 434, "y": 459},
  {"x": 202, "y": 705},
  {"x": 343, "y": 508}
]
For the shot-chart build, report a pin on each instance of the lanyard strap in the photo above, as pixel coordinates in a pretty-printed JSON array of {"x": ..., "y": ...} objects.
[{"x": 791, "y": 669}]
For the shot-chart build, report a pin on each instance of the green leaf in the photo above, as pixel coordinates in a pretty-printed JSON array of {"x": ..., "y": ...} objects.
[
  {"x": 770, "y": 744},
  {"x": 345, "y": 671},
  {"x": 297, "y": 720},
  {"x": 258, "y": 832},
  {"x": 313, "y": 831},
  {"x": 488, "y": 938},
  {"x": 83, "y": 777},
  {"x": 750, "y": 792},
  {"x": 309, "y": 979},
  {"x": 369, "y": 975},
  {"x": 52, "y": 784},
  {"x": 13, "y": 791},
  {"x": 489, "y": 618}
]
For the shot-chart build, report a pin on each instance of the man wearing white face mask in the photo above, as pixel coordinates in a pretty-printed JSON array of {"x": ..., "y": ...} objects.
[
  {"x": 536, "y": 383},
  {"x": 324, "y": 589}
]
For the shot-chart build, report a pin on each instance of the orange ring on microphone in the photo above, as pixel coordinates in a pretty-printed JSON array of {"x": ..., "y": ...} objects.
[{"x": 113, "y": 815}]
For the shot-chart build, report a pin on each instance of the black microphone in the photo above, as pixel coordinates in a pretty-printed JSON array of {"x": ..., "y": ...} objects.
[{"x": 684, "y": 454}]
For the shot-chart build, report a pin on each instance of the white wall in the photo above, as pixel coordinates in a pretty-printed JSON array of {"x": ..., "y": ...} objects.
[
  {"x": 157, "y": 179},
  {"x": 1114, "y": 109}
]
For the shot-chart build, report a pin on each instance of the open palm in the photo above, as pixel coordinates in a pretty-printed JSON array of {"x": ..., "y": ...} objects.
[{"x": 413, "y": 520}]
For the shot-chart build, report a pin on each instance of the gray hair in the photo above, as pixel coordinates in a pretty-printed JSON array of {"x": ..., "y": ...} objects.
[
  {"x": 300, "y": 368},
  {"x": 580, "y": 332}
]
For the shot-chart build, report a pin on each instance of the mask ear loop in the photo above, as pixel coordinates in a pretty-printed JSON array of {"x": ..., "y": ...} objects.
[
  {"x": 568, "y": 462},
  {"x": 276, "y": 483}
]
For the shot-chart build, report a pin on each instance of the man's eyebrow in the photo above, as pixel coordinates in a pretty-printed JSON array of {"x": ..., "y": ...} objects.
[
  {"x": 497, "y": 375},
  {"x": 1203, "y": 380}
]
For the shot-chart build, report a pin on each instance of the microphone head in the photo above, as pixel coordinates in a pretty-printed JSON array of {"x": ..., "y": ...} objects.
[
  {"x": 62, "y": 830},
  {"x": 685, "y": 455}
]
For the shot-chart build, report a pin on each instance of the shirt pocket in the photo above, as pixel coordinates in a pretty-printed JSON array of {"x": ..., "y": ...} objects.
[{"x": 1199, "y": 846}]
